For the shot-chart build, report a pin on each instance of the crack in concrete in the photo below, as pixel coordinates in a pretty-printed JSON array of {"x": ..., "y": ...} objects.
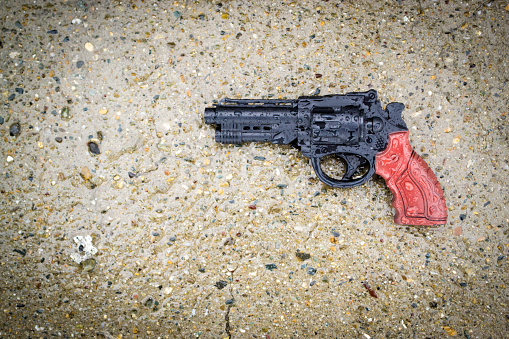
[{"x": 227, "y": 326}]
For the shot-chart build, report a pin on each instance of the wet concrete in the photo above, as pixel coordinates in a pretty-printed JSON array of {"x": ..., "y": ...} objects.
[{"x": 121, "y": 216}]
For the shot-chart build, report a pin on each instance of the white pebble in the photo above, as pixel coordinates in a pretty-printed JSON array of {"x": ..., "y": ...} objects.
[
  {"x": 89, "y": 47},
  {"x": 9, "y": 158}
]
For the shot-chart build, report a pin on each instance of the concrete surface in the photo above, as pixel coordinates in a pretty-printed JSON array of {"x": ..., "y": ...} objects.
[{"x": 167, "y": 234}]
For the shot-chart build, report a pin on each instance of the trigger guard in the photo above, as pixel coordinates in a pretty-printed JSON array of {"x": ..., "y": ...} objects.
[{"x": 315, "y": 162}]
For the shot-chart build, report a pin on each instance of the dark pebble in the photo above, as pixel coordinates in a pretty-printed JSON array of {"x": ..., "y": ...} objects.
[
  {"x": 40, "y": 311},
  {"x": 336, "y": 234},
  {"x": 53, "y": 31},
  {"x": 433, "y": 304},
  {"x": 18, "y": 24},
  {"x": 238, "y": 35},
  {"x": 302, "y": 256},
  {"x": 15, "y": 129},
  {"x": 201, "y": 270},
  {"x": 281, "y": 186},
  {"x": 131, "y": 175},
  {"x": 20, "y": 305},
  {"x": 221, "y": 284},
  {"x": 11, "y": 97},
  {"x": 22, "y": 252},
  {"x": 93, "y": 148},
  {"x": 317, "y": 91},
  {"x": 312, "y": 283},
  {"x": 259, "y": 158},
  {"x": 270, "y": 267},
  {"x": 80, "y": 64},
  {"x": 155, "y": 234},
  {"x": 173, "y": 239},
  {"x": 462, "y": 217},
  {"x": 58, "y": 139},
  {"x": 19, "y": 90},
  {"x": 66, "y": 39},
  {"x": 311, "y": 271},
  {"x": 318, "y": 75},
  {"x": 463, "y": 284},
  {"x": 2, "y": 120},
  {"x": 230, "y": 301},
  {"x": 414, "y": 305}
]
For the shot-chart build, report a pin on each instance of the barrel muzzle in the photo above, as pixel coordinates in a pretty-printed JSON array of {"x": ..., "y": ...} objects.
[{"x": 210, "y": 115}]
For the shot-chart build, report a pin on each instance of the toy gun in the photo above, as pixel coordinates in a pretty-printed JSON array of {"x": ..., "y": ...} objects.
[{"x": 355, "y": 128}]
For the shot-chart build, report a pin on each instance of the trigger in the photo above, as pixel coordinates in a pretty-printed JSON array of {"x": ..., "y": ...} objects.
[{"x": 353, "y": 163}]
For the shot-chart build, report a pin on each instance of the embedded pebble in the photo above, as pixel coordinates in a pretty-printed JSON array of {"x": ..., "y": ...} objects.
[
  {"x": 15, "y": 129},
  {"x": 65, "y": 113},
  {"x": 89, "y": 264},
  {"x": 93, "y": 148},
  {"x": 85, "y": 173},
  {"x": 89, "y": 47}
]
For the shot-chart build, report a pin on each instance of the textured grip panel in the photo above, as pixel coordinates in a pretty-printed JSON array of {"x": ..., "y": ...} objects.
[{"x": 417, "y": 195}]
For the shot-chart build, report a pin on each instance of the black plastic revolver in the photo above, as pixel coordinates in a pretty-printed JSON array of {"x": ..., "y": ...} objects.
[{"x": 353, "y": 126}]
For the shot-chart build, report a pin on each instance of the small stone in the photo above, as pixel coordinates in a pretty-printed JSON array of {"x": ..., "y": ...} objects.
[
  {"x": 10, "y": 159},
  {"x": 93, "y": 148},
  {"x": 131, "y": 175},
  {"x": 40, "y": 144},
  {"x": 15, "y": 129},
  {"x": 450, "y": 331},
  {"x": 58, "y": 139},
  {"x": 458, "y": 231},
  {"x": 149, "y": 302},
  {"x": 65, "y": 113},
  {"x": 103, "y": 111},
  {"x": 2, "y": 120},
  {"x": 116, "y": 177},
  {"x": 53, "y": 31},
  {"x": 89, "y": 264},
  {"x": 80, "y": 64},
  {"x": 89, "y": 47},
  {"x": 230, "y": 301},
  {"x": 173, "y": 239},
  {"x": 270, "y": 267},
  {"x": 311, "y": 271},
  {"x": 302, "y": 256},
  {"x": 85, "y": 173},
  {"x": 462, "y": 217},
  {"x": 221, "y": 284}
]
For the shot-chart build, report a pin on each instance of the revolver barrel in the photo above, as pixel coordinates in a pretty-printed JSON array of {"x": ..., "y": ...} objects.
[{"x": 239, "y": 121}]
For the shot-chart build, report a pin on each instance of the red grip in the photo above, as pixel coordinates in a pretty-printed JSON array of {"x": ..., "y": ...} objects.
[{"x": 417, "y": 195}]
